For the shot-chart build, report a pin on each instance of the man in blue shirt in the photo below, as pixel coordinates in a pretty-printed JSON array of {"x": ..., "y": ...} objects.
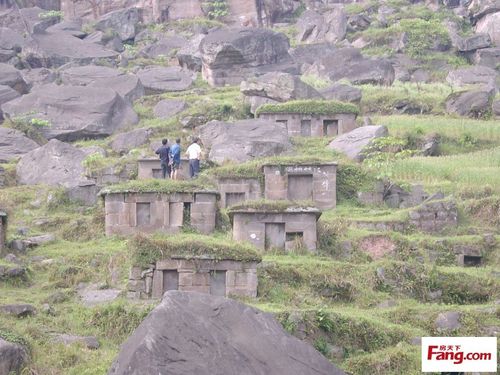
[
  {"x": 164, "y": 153},
  {"x": 175, "y": 157}
]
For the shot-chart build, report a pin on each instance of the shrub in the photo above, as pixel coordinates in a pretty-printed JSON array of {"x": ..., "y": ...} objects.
[
  {"x": 422, "y": 35},
  {"x": 217, "y": 9}
]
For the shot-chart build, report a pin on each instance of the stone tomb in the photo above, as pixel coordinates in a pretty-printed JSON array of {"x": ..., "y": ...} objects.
[
  {"x": 128, "y": 213},
  {"x": 221, "y": 278},
  {"x": 315, "y": 182},
  {"x": 151, "y": 168},
  {"x": 3, "y": 230},
  {"x": 282, "y": 230},
  {"x": 306, "y": 125},
  {"x": 238, "y": 190}
]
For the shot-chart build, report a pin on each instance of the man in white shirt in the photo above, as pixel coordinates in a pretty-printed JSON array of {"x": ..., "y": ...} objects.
[{"x": 194, "y": 154}]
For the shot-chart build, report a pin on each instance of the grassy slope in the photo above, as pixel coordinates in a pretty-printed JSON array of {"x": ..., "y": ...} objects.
[{"x": 332, "y": 295}]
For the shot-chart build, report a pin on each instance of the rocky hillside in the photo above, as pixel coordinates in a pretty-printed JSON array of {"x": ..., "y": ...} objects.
[{"x": 407, "y": 247}]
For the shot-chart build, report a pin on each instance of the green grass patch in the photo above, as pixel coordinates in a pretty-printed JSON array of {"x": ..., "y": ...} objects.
[
  {"x": 265, "y": 205},
  {"x": 166, "y": 186},
  {"x": 146, "y": 250},
  {"x": 310, "y": 107}
]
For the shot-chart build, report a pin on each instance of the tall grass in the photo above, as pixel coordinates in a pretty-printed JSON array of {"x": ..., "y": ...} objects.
[{"x": 473, "y": 171}]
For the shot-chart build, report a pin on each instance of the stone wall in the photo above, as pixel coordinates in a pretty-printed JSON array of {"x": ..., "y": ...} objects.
[
  {"x": 314, "y": 182},
  {"x": 281, "y": 230},
  {"x": 151, "y": 168},
  {"x": 314, "y": 125},
  {"x": 435, "y": 216},
  {"x": 237, "y": 190},
  {"x": 130, "y": 213},
  {"x": 227, "y": 278}
]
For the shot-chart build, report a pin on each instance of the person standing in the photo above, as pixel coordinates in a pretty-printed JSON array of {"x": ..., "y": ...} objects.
[
  {"x": 164, "y": 153},
  {"x": 194, "y": 154},
  {"x": 175, "y": 158}
]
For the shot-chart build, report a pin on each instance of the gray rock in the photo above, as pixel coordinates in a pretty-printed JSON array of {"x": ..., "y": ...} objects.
[
  {"x": 232, "y": 55},
  {"x": 358, "y": 22},
  {"x": 6, "y": 94},
  {"x": 127, "y": 85},
  {"x": 164, "y": 47},
  {"x": 40, "y": 240},
  {"x": 55, "y": 49},
  {"x": 85, "y": 193},
  {"x": 348, "y": 63},
  {"x": 14, "y": 144},
  {"x": 236, "y": 339},
  {"x": 256, "y": 101},
  {"x": 278, "y": 86},
  {"x": 472, "y": 75},
  {"x": 90, "y": 342},
  {"x": 74, "y": 112},
  {"x": 38, "y": 76},
  {"x": 123, "y": 22},
  {"x": 496, "y": 108},
  {"x": 124, "y": 142},
  {"x": 168, "y": 108},
  {"x": 313, "y": 27},
  {"x": 474, "y": 42},
  {"x": 72, "y": 27},
  {"x": 91, "y": 296},
  {"x": 244, "y": 140},
  {"x": 13, "y": 357},
  {"x": 353, "y": 143},
  {"x": 189, "y": 56},
  {"x": 57, "y": 297},
  {"x": 11, "y": 43},
  {"x": 474, "y": 103},
  {"x": 343, "y": 93},
  {"x": 448, "y": 321},
  {"x": 307, "y": 54},
  {"x": 10, "y": 76},
  {"x": 56, "y": 163},
  {"x": 158, "y": 79},
  {"x": 18, "y": 310},
  {"x": 489, "y": 25},
  {"x": 489, "y": 57},
  {"x": 481, "y": 8}
]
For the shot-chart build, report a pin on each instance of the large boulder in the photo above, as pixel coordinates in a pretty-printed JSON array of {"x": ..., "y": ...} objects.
[
  {"x": 481, "y": 8},
  {"x": 475, "y": 103},
  {"x": 54, "y": 49},
  {"x": 10, "y": 76},
  {"x": 38, "y": 76},
  {"x": 343, "y": 93},
  {"x": 168, "y": 107},
  {"x": 72, "y": 27},
  {"x": 13, "y": 357},
  {"x": 489, "y": 57},
  {"x": 189, "y": 56},
  {"x": 474, "y": 42},
  {"x": 278, "y": 86},
  {"x": 230, "y": 56},
  {"x": 127, "y": 85},
  {"x": 125, "y": 142},
  {"x": 307, "y": 54},
  {"x": 6, "y": 94},
  {"x": 56, "y": 164},
  {"x": 11, "y": 42},
  {"x": 474, "y": 75},
  {"x": 352, "y": 144},
  {"x": 313, "y": 27},
  {"x": 348, "y": 63},
  {"x": 122, "y": 22},
  {"x": 490, "y": 25},
  {"x": 158, "y": 79},
  {"x": 164, "y": 47},
  {"x": 74, "y": 112},
  {"x": 14, "y": 144},
  {"x": 213, "y": 335},
  {"x": 244, "y": 140}
]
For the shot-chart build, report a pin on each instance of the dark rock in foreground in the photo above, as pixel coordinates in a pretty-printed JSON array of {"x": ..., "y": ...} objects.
[
  {"x": 13, "y": 357},
  {"x": 193, "y": 333}
]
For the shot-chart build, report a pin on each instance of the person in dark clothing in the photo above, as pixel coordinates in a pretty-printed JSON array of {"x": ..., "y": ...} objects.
[{"x": 164, "y": 154}]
